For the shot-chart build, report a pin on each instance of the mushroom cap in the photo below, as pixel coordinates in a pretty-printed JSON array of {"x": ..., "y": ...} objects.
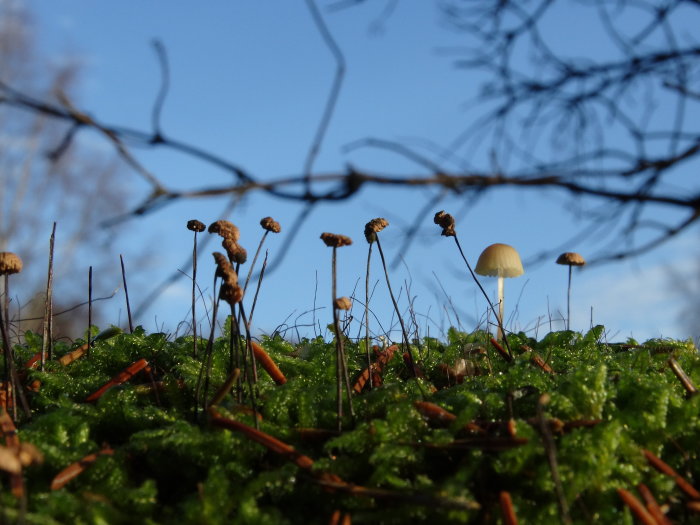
[
  {"x": 571, "y": 259},
  {"x": 499, "y": 260},
  {"x": 10, "y": 263}
]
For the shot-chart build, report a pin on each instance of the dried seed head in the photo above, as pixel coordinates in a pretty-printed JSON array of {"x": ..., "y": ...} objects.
[
  {"x": 446, "y": 222},
  {"x": 231, "y": 293},
  {"x": 373, "y": 227},
  {"x": 224, "y": 269},
  {"x": 271, "y": 225},
  {"x": 343, "y": 303},
  {"x": 335, "y": 240},
  {"x": 10, "y": 263},
  {"x": 236, "y": 252},
  {"x": 196, "y": 226},
  {"x": 226, "y": 229}
]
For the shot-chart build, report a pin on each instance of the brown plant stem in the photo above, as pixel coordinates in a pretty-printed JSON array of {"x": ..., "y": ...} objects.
[
  {"x": 126, "y": 293},
  {"x": 652, "y": 505},
  {"x": 46, "y": 344},
  {"x": 206, "y": 362},
  {"x": 369, "y": 359},
  {"x": 550, "y": 450},
  {"x": 253, "y": 377},
  {"x": 507, "y": 510},
  {"x": 6, "y": 303},
  {"x": 396, "y": 309},
  {"x": 685, "y": 380},
  {"x": 257, "y": 289},
  {"x": 636, "y": 507},
  {"x": 255, "y": 258},
  {"x": 194, "y": 289},
  {"x": 340, "y": 364},
  {"x": 89, "y": 338}
]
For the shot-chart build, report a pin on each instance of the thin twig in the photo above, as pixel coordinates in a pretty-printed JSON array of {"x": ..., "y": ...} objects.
[
  {"x": 159, "y": 48},
  {"x": 46, "y": 344},
  {"x": 332, "y": 97},
  {"x": 126, "y": 293}
]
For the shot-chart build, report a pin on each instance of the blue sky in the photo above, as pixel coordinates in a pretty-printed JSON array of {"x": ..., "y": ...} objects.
[{"x": 249, "y": 81}]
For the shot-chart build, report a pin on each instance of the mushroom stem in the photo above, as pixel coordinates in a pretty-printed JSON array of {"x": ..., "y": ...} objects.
[
  {"x": 499, "y": 333},
  {"x": 568, "y": 303}
]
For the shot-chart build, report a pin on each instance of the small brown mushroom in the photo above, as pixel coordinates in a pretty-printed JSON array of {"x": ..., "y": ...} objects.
[
  {"x": 570, "y": 259},
  {"x": 499, "y": 260}
]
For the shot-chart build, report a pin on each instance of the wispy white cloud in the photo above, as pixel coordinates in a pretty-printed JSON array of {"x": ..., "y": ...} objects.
[{"x": 635, "y": 302}]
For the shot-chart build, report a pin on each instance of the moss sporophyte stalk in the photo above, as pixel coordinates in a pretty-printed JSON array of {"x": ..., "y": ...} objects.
[{"x": 441, "y": 448}]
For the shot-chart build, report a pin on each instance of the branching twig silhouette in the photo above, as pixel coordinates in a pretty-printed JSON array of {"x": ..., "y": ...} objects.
[{"x": 607, "y": 148}]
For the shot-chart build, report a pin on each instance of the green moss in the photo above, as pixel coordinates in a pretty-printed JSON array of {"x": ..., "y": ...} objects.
[{"x": 171, "y": 466}]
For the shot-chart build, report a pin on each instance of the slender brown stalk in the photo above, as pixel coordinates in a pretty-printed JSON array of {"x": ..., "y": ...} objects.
[
  {"x": 252, "y": 378},
  {"x": 89, "y": 310},
  {"x": 636, "y": 507},
  {"x": 369, "y": 359},
  {"x": 196, "y": 227},
  {"x": 336, "y": 327},
  {"x": 652, "y": 505},
  {"x": 206, "y": 362},
  {"x": 252, "y": 265},
  {"x": 6, "y": 303},
  {"x": 8, "y": 360},
  {"x": 126, "y": 293},
  {"x": 685, "y": 380},
  {"x": 550, "y": 449},
  {"x": 507, "y": 510},
  {"x": 233, "y": 335},
  {"x": 407, "y": 345},
  {"x": 194, "y": 302},
  {"x": 46, "y": 344},
  {"x": 220, "y": 394},
  {"x": 257, "y": 289},
  {"x": 12, "y": 383},
  {"x": 341, "y": 373}
]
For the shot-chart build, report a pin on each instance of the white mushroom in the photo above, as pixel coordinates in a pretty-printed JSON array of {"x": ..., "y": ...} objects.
[{"x": 499, "y": 260}]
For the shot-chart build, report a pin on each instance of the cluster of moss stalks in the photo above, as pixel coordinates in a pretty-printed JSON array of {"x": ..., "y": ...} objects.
[{"x": 398, "y": 459}]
